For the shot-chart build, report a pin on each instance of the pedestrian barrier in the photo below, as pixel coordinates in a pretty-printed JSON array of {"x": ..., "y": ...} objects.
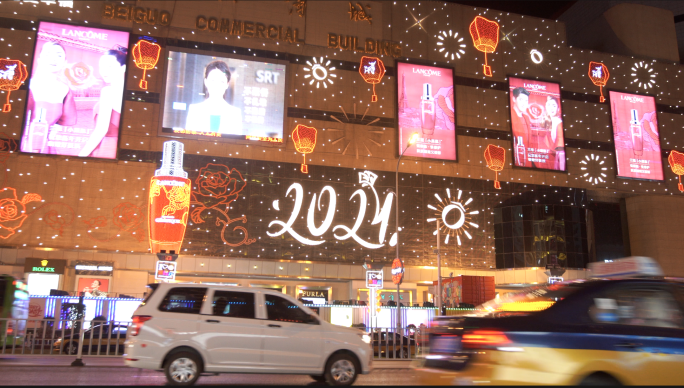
[{"x": 388, "y": 344}]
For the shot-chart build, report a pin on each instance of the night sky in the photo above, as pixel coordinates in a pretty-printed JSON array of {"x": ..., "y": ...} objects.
[{"x": 541, "y": 9}]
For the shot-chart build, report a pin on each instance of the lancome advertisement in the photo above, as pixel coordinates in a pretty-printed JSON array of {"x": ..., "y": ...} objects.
[
  {"x": 636, "y": 135},
  {"x": 426, "y": 106},
  {"x": 208, "y": 96},
  {"x": 537, "y": 124},
  {"x": 75, "y": 91}
]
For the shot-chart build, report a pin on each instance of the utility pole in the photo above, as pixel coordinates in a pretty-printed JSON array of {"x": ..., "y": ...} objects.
[{"x": 439, "y": 271}]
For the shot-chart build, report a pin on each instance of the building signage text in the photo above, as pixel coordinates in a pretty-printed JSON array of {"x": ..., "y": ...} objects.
[
  {"x": 370, "y": 46},
  {"x": 135, "y": 14},
  {"x": 248, "y": 29}
]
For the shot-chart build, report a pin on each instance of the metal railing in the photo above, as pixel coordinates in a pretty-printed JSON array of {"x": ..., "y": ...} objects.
[
  {"x": 389, "y": 345},
  {"x": 62, "y": 337}
]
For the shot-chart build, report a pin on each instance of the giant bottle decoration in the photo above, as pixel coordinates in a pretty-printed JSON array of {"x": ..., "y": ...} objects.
[{"x": 169, "y": 201}]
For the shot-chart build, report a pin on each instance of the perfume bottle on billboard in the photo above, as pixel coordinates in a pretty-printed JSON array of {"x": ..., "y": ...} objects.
[
  {"x": 169, "y": 201},
  {"x": 520, "y": 157},
  {"x": 427, "y": 110},
  {"x": 38, "y": 132},
  {"x": 635, "y": 130}
]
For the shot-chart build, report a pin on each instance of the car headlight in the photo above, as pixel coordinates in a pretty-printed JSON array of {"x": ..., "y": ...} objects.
[{"x": 366, "y": 338}]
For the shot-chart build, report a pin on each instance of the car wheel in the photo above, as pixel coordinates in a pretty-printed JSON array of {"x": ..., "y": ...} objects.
[
  {"x": 599, "y": 379},
  {"x": 320, "y": 379},
  {"x": 341, "y": 369},
  {"x": 71, "y": 347},
  {"x": 182, "y": 368}
]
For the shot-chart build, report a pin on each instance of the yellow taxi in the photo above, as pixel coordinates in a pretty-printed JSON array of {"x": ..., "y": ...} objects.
[{"x": 625, "y": 327}]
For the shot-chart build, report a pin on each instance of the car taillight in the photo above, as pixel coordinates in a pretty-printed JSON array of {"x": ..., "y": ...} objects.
[
  {"x": 484, "y": 338},
  {"x": 138, "y": 321}
]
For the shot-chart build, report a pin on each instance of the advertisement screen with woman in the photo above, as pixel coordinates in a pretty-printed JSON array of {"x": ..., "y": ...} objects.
[
  {"x": 223, "y": 97},
  {"x": 636, "y": 134},
  {"x": 426, "y": 106},
  {"x": 93, "y": 287},
  {"x": 537, "y": 124},
  {"x": 75, "y": 91}
]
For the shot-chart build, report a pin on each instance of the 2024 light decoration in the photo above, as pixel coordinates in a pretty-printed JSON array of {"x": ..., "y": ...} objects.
[
  {"x": 495, "y": 157},
  {"x": 372, "y": 70},
  {"x": 145, "y": 56},
  {"x": 598, "y": 73},
  {"x": 304, "y": 139},
  {"x": 676, "y": 160},
  {"x": 485, "y": 34},
  {"x": 12, "y": 75}
]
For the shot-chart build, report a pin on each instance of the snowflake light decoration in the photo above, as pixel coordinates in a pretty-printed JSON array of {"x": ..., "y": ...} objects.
[
  {"x": 644, "y": 75},
  {"x": 320, "y": 73},
  {"x": 593, "y": 163},
  {"x": 446, "y": 41},
  {"x": 462, "y": 216}
]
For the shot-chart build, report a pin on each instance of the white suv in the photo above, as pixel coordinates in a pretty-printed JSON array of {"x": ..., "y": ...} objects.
[{"x": 188, "y": 329}]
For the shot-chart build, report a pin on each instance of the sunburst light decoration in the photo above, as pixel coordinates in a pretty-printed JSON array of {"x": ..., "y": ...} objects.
[
  {"x": 450, "y": 44},
  {"x": 354, "y": 130},
  {"x": 594, "y": 163},
  {"x": 320, "y": 73},
  {"x": 643, "y": 75},
  {"x": 454, "y": 215}
]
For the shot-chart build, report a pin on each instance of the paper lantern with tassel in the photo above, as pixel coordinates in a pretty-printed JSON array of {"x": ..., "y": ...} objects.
[
  {"x": 598, "y": 73},
  {"x": 676, "y": 160},
  {"x": 145, "y": 56},
  {"x": 372, "y": 70},
  {"x": 13, "y": 73},
  {"x": 304, "y": 139},
  {"x": 495, "y": 157},
  {"x": 485, "y": 34}
]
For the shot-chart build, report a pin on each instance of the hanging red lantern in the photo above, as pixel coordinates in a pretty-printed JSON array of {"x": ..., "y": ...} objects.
[
  {"x": 13, "y": 73},
  {"x": 598, "y": 73},
  {"x": 145, "y": 56},
  {"x": 485, "y": 34},
  {"x": 372, "y": 70},
  {"x": 676, "y": 160},
  {"x": 495, "y": 157},
  {"x": 304, "y": 141}
]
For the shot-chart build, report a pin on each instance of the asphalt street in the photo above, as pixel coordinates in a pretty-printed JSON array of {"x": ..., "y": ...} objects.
[{"x": 55, "y": 371}]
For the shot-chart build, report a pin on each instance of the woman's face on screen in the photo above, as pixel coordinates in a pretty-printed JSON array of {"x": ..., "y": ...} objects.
[
  {"x": 52, "y": 58},
  {"x": 110, "y": 68},
  {"x": 551, "y": 108},
  {"x": 216, "y": 83}
]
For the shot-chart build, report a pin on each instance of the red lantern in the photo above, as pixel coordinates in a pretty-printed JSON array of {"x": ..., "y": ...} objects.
[
  {"x": 372, "y": 70},
  {"x": 13, "y": 73},
  {"x": 304, "y": 141},
  {"x": 485, "y": 34},
  {"x": 495, "y": 157},
  {"x": 145, "y": 55},
  {"x": 598, "y": 73},
  {"x": 676, "y": 160}
]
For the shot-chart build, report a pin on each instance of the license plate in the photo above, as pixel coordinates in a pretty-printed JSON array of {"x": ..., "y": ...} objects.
[{"x": 445, "y": 344}]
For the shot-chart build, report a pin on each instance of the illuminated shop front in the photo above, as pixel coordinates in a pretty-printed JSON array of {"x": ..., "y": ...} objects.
[{"x": 262, "y": 149}]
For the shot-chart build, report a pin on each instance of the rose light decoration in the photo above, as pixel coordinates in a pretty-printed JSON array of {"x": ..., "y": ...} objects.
[
  {"x": 372, "y": 70},
  {"x": 145, "y": 56},
  {"x": 13, "y": 73},
  {"x": 485, "y": 34},
  {"x": 676, "y": 160},
  {"x": 305, "y": 141},
  {"x": 598, "y": 73},
  {"x": 495, "y": 157}
]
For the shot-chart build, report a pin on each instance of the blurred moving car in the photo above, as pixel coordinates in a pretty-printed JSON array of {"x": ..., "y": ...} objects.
[
  {"x": 387, "y": 344},
  {"x": 100, "y": 339},
  {"x": 188, "y": 329},
  {"x": 624, "y": 328}
]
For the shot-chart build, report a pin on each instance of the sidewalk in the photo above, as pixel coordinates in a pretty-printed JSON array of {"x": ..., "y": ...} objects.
[{"x": 117, "y": 362}]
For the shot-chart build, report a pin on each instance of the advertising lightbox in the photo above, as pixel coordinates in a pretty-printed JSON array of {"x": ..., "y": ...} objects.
[
  {"x": 217, "y": 97},
  {"x": 636, "y": 136},
  {"x": 75, "y": 91},
  {"x": 537, "y": 124},
  {"x": 426, "y": 106}
]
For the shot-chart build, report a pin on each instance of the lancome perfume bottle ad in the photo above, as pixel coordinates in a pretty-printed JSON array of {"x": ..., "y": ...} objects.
[
  {"x": 75, "y": 91},
  {"x": 636, "y": 135},
  {"x": 426, "y": 106},
  {"x": 537, "y": 124}
]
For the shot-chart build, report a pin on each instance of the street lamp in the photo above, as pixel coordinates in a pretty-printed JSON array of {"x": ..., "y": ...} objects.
[{"x": 412, "y": 139}]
